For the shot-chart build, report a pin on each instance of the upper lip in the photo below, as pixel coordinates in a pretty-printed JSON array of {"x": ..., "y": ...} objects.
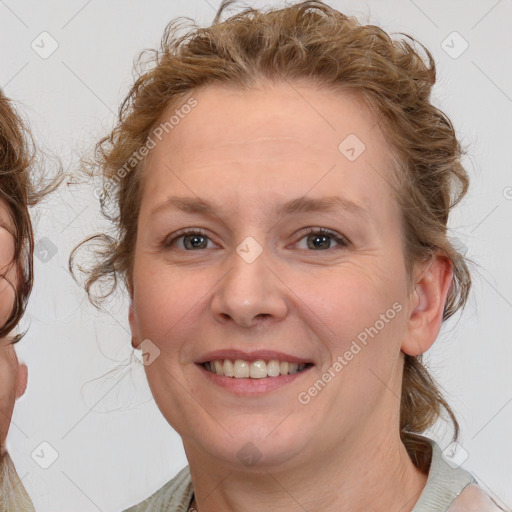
[{"x": 255, "y": 355}]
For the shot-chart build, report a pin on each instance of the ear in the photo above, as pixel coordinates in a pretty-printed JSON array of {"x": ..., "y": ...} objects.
[
  {"x": 426, "y": 304},
  {"x": 136, "y": 341},
  {"x": 21, "y": 380}
]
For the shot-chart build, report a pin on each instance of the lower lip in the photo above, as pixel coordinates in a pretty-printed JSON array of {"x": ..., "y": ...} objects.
[{"x": 249, "y": 387}]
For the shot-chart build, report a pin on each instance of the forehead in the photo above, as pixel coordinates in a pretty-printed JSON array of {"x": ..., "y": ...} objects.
[{"x": 281, "y": 139}]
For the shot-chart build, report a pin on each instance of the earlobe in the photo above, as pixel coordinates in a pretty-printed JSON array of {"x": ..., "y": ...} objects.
[
  {"x": 427, "y": 303},
  {"x": 133, "y": 326}
]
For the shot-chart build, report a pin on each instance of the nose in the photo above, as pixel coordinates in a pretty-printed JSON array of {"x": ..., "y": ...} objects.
[{"x": 251, "y": 293}]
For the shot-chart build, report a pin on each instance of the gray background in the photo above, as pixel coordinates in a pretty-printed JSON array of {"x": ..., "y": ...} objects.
[{"x": 104, "y": 441}]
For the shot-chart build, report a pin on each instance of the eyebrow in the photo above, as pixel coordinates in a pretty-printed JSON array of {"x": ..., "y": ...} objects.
[{"x": 302, "y": 204}]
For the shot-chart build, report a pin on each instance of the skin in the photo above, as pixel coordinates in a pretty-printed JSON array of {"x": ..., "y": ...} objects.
[
  {"x": 13, "y": 375},
  {"x": 243, "y": 151}
]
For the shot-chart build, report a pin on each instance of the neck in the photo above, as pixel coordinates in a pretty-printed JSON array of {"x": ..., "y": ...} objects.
[{"x": 369, "y": 473}]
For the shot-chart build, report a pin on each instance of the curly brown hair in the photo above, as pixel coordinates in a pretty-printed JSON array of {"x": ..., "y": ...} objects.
[
  {"x": 19, "y": 189},
  {"x": 308, "y": 40}
]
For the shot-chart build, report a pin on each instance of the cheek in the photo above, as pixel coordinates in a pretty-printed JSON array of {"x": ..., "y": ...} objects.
[
  {"x": 360, "y": 323},
  {"x": 165, "y": 299},
  {"x": 7, "y": 396},
  {"x": 8, "y": 275},
  {"x": 354, "y": 295},
  {"x": 360, "y": 312},
  {"x": 7, "y": 298}
]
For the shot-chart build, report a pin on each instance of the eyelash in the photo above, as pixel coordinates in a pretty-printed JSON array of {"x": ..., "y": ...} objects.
[{"x": 339, "y": 239}]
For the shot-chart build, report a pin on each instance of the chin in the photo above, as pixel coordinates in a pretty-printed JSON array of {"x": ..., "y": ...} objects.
[{"x": 254, "y": 447}]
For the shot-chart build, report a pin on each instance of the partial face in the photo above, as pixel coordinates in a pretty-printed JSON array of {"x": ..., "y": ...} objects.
[
  {"x": 249, "y": 276},
  {"x": 12, "y": 375},
  {"x": 7, "y": 266}
]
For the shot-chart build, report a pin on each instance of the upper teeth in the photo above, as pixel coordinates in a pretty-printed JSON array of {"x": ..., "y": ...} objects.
[{"x": 256, "y": 370}]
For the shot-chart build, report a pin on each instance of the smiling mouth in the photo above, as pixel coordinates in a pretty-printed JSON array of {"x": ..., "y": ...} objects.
[{"x": 259, "y": 369}]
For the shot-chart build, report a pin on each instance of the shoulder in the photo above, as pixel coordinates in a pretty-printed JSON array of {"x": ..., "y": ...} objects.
[
  {"x": 474, "y": 499},
  {"x": 173, "y": 496},
  {"x": 449, "y": 487}
]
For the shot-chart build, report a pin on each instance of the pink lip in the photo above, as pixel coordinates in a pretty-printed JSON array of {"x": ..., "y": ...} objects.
[{"x": 265, "y": 355}]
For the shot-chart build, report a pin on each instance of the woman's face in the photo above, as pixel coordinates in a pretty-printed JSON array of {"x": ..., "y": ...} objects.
[
  {"x": 253, "y": 279},
  {"x": 13, "y": 376},
  {"x": 7, "y": 265}
]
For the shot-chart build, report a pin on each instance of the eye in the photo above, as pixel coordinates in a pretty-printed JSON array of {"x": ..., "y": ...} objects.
[
  {"x": 192, "y": 239},
  {"x": 319, "y": 238}
]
